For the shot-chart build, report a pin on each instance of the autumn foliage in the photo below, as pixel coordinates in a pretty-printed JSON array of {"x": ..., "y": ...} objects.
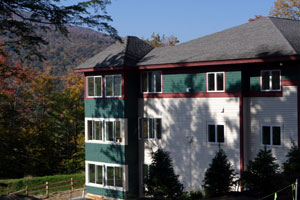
[{"x": 41, "y": 122}]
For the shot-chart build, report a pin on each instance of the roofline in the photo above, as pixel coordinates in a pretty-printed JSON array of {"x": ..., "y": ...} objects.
[{"x": 194, "y": 64}]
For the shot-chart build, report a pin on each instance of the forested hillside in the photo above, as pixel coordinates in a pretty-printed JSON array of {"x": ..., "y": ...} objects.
[{"x": 63, "y": 54}]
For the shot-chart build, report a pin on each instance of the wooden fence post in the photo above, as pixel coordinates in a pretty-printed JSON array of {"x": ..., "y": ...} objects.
[
  {"x": 72, "y": 184},
  {"x": 47, "y": 189},
  {"x": 26, "y": 190}
]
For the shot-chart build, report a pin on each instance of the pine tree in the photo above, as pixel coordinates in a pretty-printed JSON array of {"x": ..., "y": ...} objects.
[
  {"x": 162, "y": 182},
  {"x": 261, "y": 172},
  {"x": 219, "y": 176},
  {"x": 291, "y": 166}
]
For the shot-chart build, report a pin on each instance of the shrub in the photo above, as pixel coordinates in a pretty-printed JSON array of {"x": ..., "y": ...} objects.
[
  {"x": 262, "y": 173},
  {"x": 291, "y": 167},
  {"x": 162, "y": 182},
  {"x": 195, "y": 195},
  {"x": 219, "y": 176}
]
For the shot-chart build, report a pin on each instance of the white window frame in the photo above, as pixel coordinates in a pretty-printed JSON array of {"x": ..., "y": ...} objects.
[
  {"x": 104, "y": 185},
  {"x": 141, "y": 82},
  {"x": 123, "y": 131},
  {"x": 141, "y": 128},
  {"x": 113, "y": 75},
  {"x": 216, "y": 133},
  {"x": 96, "y": 173},
  {"x": 270, "y": 81},
  {"x": 87, "y": 87},
  {"x": 215, "y": 79},
  {"x": 271, "y": 135}
]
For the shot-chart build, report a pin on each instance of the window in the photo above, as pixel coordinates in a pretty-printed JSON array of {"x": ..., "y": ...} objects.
[
  {"x": 215, "y": 133},
  {"x": 146, "y": 174},
  {"x": 150, "y": 128},
  {"x": 94, "y": 86},
  {"x": 270, "y": 80},
  {"x": 114, "y": 176},
  {"x": 215, "y": 81},
  {"x": 271, "y": 135},
  {"x": 105, "y": 130},
  {"x": 151, "y": 82},
  {"x": 113, "y": 86},
  {"x": 95, "y": 174},
  {"x": 110, "y": 176}
]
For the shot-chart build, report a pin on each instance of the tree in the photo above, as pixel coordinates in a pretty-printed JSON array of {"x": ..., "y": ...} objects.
[
  {"x": 291, "y": 167},
  {"x": 260, "y": 175},
  {"x": 161, "y": 41},
  {"x": 162, "y": 182},
  {"x": 219, "y": 176},
  {"x": 286, "y": 9},
  {"x": 22, "y": 21}
]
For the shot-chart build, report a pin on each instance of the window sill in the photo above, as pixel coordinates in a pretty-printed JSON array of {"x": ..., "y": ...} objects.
[
  {"x": 102, "y": 142},
  {"x": 105, "y": 187}
]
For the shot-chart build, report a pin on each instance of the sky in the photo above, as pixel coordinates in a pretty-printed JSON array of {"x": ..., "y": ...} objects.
[{"x": 187, "y": 20}]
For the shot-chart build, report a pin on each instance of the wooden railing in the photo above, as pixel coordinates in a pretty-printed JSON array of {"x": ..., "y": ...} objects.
[{"x": 48, "y": 187}]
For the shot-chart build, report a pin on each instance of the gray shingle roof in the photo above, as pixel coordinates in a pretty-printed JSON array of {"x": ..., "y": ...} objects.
[
  {"x": 261, "y": 38},
  {"x": 127, "y": 53},
  {"x": 265, "y": 37}
]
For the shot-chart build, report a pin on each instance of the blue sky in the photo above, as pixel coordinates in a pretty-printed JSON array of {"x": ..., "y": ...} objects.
[{"x": 186, "y": 20}]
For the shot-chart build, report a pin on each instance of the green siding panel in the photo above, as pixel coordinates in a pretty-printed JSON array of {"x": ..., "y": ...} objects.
[
  {"x": 233, "y": 81},
  {"x": 106, "y": 108},
  {"x": 254, "y": 84},
  {"x": 173, "y": 83},
  {"x": 105, "y": 192},
  {"x": 108, "y": 153}
]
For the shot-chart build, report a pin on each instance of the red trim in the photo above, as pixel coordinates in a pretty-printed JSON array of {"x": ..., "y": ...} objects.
[
  {"x": 190, "y": 95},
  {"x": 264, "y": 94},
  {"x": 241, "y": 135},
  {"x": 194, "y": 64}
]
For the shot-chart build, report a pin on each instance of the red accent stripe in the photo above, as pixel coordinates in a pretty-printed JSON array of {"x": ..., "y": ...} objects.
[
  {"x": 190, "y": 95},
  {"x": 194, "y": 64}
]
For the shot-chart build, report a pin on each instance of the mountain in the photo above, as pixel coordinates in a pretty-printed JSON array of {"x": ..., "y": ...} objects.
[{"x": 63, "y": 54}]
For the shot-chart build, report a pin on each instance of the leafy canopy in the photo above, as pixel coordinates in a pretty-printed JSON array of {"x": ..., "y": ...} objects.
[
  {"x": 219, "y": 176},
  {"x": 23, "y": 20},
  {"x": 286, "y": 9}
]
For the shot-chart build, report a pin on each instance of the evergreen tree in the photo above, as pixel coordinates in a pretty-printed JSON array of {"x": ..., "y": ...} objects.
[
  {"x": 219, "y": 176},
  {"x": 291, "y": 166},
  {"x": 162, "y": 182},
  {"x": 261, "y": 173}
]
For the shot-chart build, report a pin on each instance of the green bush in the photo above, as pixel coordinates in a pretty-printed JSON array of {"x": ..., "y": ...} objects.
[
  {"x": 262, "y": 174},
  {"x": 291, "y": 167},
  {"x": 162, "y": 182},
  {"x": 195, "y": 195},
  {"x": 219, "y": 176}
]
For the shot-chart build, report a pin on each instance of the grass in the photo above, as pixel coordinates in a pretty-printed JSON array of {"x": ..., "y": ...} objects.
[{"x": 13, "y": 185}]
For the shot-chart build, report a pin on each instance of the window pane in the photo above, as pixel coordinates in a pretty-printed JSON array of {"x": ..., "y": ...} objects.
[
  {"x": 118, "y": 176},
  {"x": 158, "y": 128},
  {"x": 118, "y": 131},
  {"x": 275, "y": 80},
  {"x": 276, "y": 136},
  {"x": 109, "y": 86},
  {"x": 151, "y": 131},
  {"x": 98, "y": 130},
  {"x": 90, "y": 129},
  {"x": 265, "y": 80},
  {"x": 110, "y": 176},
  {"x": 157, "y": 81},
  {"x": 117, "y": 85},
  {"x": 151, "y": 82},
  {"x": 91, "y": 86},
  {"x": 141, "y": 127},
  {"x": 266, "y": 135},
  {"x": 99, "y": 175},
  {"x": 220, "y": 131},
  {"x": 91, "y": 173},
  {"x": 220, "y": 81},
  {"x": 109, "y": 131},
  {"x": 144, "y": 82},
  {"x": 145, "y": 128},
  {"x": 211, "y": 133},
  {"x": 211, "y": 82},
  {"x": 98, "y": 85}
]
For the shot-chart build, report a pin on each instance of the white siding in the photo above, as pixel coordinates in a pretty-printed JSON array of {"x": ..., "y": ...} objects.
[
  {"x": 184, "y": 124},
  {"x": 272, "y": 111}
]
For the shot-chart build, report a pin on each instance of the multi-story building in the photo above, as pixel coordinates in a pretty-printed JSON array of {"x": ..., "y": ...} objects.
[{"x": 237, "y": 89}]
